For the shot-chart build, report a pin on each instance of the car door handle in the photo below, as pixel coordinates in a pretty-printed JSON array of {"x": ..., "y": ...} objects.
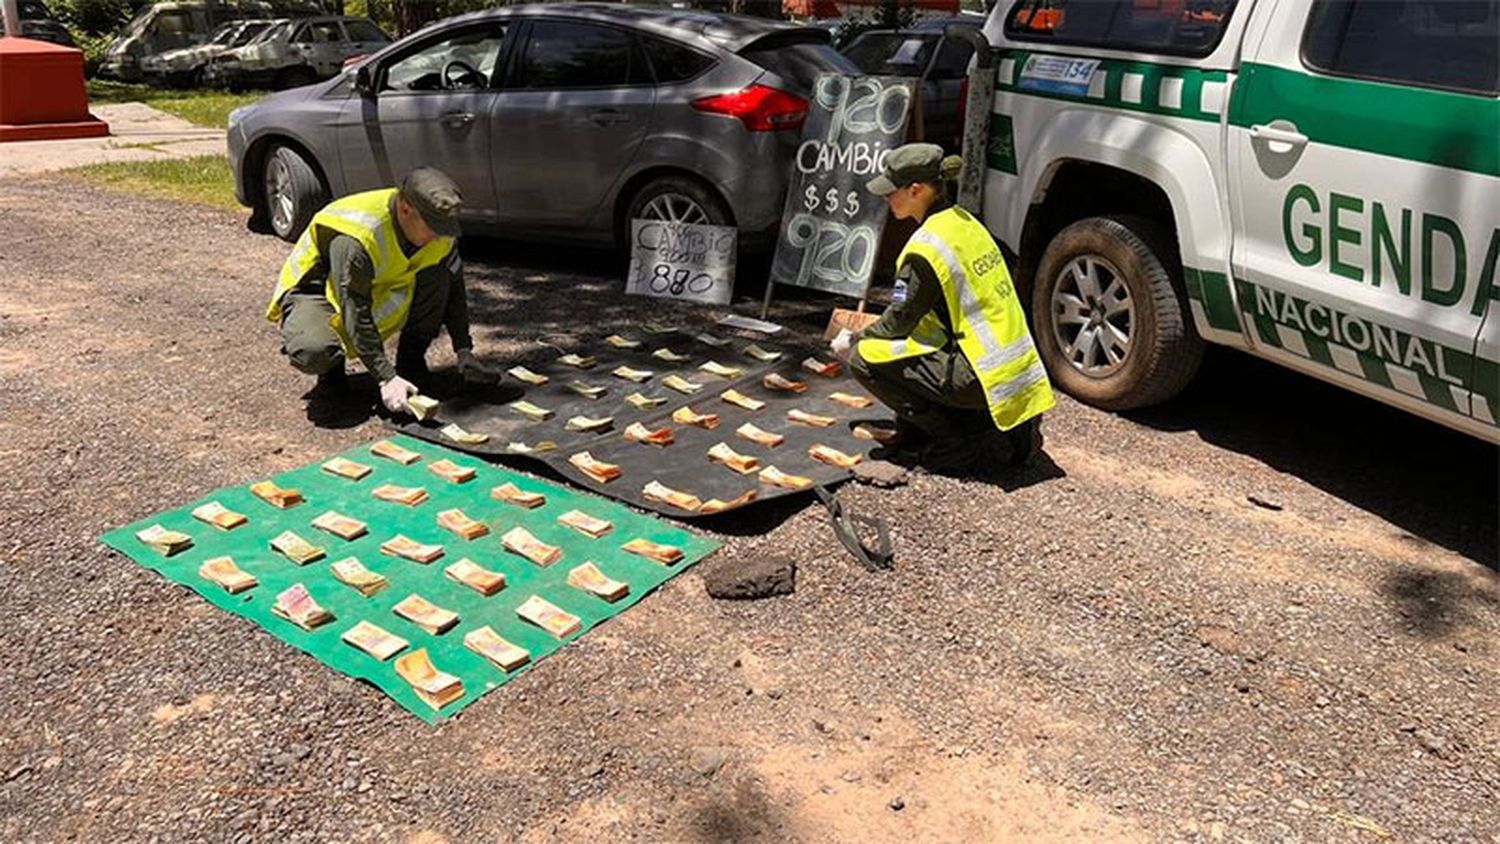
[
  {"x": 1284, "y": 134},
  {"x": 457, "y": 119},
  {"x": 608, "y": 116}
]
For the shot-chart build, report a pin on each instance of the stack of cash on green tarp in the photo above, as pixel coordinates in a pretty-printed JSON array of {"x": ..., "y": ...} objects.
[{"x": 431, "y": 574}]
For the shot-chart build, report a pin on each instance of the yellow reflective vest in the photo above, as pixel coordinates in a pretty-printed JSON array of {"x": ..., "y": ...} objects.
[
  {"x": 369, "y": 218},
  {"x": 986, "y": 314}
]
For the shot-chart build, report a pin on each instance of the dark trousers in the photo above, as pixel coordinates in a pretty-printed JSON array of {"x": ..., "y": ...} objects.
[
  {"x": 939, "y": 394},
  {"x": 311, "y": 345}
]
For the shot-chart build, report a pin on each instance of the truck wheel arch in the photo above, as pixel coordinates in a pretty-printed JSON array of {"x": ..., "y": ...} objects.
[{"x": 1159, "y": 156}]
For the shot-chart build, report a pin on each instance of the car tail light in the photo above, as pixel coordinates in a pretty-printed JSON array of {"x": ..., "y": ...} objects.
[{"x": 759, "y": 107}]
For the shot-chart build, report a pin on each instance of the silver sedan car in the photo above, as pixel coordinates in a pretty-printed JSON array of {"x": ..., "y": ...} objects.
[{"x": 560, "y": 122}]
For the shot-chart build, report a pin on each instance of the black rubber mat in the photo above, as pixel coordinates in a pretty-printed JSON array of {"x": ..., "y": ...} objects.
[{"x": 684, "y": 465}]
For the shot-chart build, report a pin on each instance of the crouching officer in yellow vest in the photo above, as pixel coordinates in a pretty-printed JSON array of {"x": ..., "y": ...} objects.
[
  {"x": 953, "y": 356},
  {"x": 371, "y": 265}
]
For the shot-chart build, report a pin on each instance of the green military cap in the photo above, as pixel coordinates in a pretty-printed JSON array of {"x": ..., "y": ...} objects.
[
  {"x": 435, "y": 197},
  {"x": 907, "y": 165}
]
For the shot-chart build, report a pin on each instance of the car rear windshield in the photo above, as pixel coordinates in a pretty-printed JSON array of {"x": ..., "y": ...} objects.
[
  {"x": 892, "y": 53},
  {"x": 799, "y": 60},
  {"x": 1172, "y": 27}
]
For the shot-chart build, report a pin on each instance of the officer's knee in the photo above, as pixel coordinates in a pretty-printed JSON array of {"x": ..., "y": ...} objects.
[
  {"x": 860, "y": 369},
  {"x": 313, "y": 359}
]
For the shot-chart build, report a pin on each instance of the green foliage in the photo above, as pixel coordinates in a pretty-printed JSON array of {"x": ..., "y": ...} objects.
[
  {"x": 897, "y": 14},
  {"x": 205, "y": 107},
  {"x": 891, "y": 14},
  {"x": 202, "y": 179},
  {"x": 94, "y": 48},
  {"x": 94, "y": 18}
]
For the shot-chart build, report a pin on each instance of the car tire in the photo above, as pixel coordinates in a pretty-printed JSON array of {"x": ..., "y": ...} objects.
[
  {"x": 291, "y": 191},
  {"x": 678, "y": 199},
  {"x": 1110, "y": 323}
]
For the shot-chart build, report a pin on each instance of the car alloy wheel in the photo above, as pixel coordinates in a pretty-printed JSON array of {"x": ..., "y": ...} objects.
[
  {"x": 279, "y": 197},
  {"x": 1093, "y": 316},
  {"x": 675, "y": 208}
]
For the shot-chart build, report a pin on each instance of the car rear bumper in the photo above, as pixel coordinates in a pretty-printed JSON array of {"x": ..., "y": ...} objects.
[{"x": 236, "y": 146}]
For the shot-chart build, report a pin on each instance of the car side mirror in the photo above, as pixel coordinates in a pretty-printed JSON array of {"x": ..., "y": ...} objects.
[{"x": 364, "y": 81}]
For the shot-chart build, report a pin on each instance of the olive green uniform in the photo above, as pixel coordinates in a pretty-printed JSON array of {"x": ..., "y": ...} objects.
[
  {"x": 938, "y": 392},
  {"x": 439, "y": 300}
]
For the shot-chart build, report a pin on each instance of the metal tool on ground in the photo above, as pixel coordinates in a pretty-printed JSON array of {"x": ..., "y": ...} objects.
[{"x": 846, "y": 526}]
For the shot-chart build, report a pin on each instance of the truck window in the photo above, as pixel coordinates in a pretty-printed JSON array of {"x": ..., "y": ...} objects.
[
  {"x": 1453, "y": 44},
  {"x": 1173, "y": 27}
]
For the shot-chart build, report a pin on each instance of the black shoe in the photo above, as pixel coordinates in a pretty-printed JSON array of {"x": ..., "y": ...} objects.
[
  {"x": 1025, "y": 443},
  {"x": 334, "y": 382},
  {"x": 949, "y": 456}
]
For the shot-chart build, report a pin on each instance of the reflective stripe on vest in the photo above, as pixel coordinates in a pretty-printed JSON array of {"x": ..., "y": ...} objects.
[
  {"x": 995, "y": 355},
  {"x": 989, "y": 325},
  {"x": 929, "y": 336},
  {"x": 367, "y": 218}
]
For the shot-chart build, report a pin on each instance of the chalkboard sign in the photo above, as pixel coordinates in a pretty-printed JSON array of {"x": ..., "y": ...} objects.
[
  {"x": 831, "y": 227},
  {"x": 683, "y": 261}
]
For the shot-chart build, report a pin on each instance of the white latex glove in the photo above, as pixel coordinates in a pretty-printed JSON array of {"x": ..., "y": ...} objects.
[
  {"x": 474, "y": 369},
  {"x": 841, "y": 344},
  {"x": 393, "y": 394}
]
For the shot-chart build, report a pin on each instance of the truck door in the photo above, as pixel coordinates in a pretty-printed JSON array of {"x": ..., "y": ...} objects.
[
  {"x": 1366, "y": 194},
  {"x": 1486, "y": 403}
]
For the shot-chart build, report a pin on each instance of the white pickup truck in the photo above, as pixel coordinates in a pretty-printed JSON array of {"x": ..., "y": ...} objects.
[{"x": 1316, "y": 182}]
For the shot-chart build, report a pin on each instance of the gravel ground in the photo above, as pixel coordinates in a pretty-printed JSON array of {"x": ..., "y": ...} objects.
[{"x": 1117, "y": 645}]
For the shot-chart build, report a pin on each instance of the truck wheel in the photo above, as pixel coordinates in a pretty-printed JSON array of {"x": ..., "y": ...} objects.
[
  {"x": 292, "y": 192},
  {"x": 1110, "y": 324}
]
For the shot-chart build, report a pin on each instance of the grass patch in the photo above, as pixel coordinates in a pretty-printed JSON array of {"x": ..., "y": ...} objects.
[
  {"x": 202, "y": 107},
  {"x": 203, "y": 179}
]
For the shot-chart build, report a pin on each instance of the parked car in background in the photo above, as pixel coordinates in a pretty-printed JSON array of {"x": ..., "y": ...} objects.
[
  {"x": 37, "y": 22},
  {"x": 940, "y": 63},
  {"x": 160, "y": 27},
  {"x": 296, "y": 52},
  {"x": 558, "y": 122},
  {"x": 184, "y": 67}
]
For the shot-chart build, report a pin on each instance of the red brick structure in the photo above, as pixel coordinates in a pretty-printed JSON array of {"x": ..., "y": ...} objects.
[{"x": 42, "y": 96}]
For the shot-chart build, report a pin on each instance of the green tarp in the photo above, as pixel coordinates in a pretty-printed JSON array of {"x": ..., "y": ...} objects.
[{"x": 249, "y": 546}]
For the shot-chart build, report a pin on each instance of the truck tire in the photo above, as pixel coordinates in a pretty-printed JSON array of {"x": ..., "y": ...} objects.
[
  {"x": 291, "y": 191},
  {"x": 1110, "y": 322}
]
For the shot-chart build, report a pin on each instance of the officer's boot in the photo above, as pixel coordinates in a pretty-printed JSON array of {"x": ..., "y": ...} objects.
[
  {"x": 1025, "y": 442},
  {"x": 333, "y": 381}
]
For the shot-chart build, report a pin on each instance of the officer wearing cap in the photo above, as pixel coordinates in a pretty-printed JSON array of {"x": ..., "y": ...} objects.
[
  {"x": 954, "y": 358},
  {"x": 369, "y": 266}
]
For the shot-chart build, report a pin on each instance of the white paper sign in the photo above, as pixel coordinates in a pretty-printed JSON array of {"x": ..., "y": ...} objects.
[{"x": 683, "y": 261}]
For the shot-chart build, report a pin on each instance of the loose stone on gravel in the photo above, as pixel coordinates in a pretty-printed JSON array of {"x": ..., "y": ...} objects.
[
  {"x": 706, "y": 761},
  {"x": 1264, "y": 501},
  {"x": 750, "y": 577},
  {"x": 880, "y": 473}
]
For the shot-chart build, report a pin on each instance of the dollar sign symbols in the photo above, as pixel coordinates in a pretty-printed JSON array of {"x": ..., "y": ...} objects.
[
  {"x": 833, "y": 200},
  {"x": 810, "y": 197}
]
